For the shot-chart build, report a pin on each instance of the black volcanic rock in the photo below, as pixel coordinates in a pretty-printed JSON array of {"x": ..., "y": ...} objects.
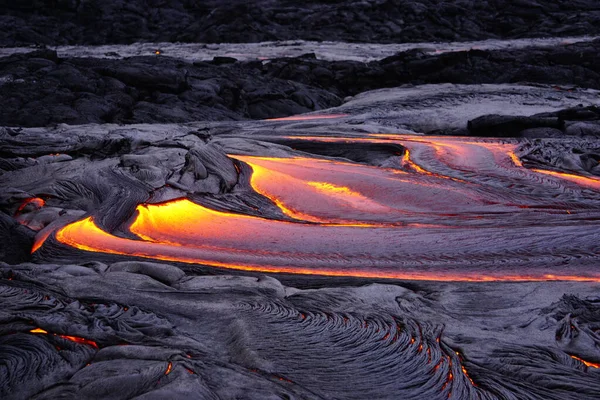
[
  {"x": 28, "y": 22},
  {"x": 504, "y": 125},
  {"x": 577, "y": 121},
  {"x": 15, "y": 240},
  {"x": 576, "y": 64},
  {"x": 39, "y": 89}
]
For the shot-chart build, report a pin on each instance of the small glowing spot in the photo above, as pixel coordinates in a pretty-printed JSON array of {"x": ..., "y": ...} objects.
[
  {"x": 281, "y": 378},
  {"x": 169, "y": 368},
  {"x": 38, "y": 330},
  {"x": 464, "y": 370}
]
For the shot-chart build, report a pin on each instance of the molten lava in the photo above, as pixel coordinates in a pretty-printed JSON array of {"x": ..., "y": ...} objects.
[
  {"x": 449, "y": 217},
  {"x": 586, "y": 363},
  {"x": 593, "y": 183},
  {"x": 75, "y": 339},
  {"x": 35, "y": 201}
]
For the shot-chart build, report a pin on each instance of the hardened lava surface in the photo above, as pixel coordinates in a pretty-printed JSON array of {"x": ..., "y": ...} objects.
[{"x": 307, "y": 258}]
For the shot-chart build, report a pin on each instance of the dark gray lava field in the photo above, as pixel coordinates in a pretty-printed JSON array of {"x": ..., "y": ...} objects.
[{"x": 379, "y": 199}]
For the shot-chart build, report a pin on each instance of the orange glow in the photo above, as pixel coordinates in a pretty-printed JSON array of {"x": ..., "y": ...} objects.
[
  {"x": 85, "y": 235},
  {"x": 40, "y": 238},
  {"x": 326, "y": 200},
  {"x": 408, "y": 162},
  {"x": 586, "y": 363},
  {"x": 272, "y": 177},
  {"x": 464, "y": 370},
  {"x": 515, "y": 159},
  {"x": 79, "y": 340},
  {"x": 75, "y": 339},
  {"x": 39, "y": 203},
  {"x": 183, "y": 231},
  {"x": 593, "y": 183},
  {"x": 169, "y": 368},
  {"x": 322, "y": 191},
  {"x": 308, "y": 117}
]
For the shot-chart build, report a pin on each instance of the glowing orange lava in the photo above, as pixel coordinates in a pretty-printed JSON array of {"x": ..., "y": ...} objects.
[
  {"x": 75, "y": 339},
  {"x": 586, "y": 363},
  {"x": 415, "y": 225},
  {"x": 39, "y": 203},
  {"x": 182, "y": 231},
  {"x": 593, "y": 183}
]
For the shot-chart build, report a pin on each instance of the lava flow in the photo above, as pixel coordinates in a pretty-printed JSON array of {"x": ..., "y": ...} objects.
[
  {"x": 451, "y": 215},
  {"x": 75, "y": 339}
]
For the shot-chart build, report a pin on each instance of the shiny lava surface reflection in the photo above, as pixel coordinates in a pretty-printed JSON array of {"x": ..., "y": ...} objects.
[{"x": 448, "y": 209}]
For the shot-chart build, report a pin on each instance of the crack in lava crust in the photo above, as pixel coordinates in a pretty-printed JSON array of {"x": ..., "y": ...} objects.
[{"x": 462, "y": 215}]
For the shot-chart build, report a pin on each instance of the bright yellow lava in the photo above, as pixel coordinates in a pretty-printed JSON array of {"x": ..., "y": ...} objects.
[
  {"x": 325, "y": 201},
  {"x": 593, "y": 183},
  {"x": 180, "y": 219}
]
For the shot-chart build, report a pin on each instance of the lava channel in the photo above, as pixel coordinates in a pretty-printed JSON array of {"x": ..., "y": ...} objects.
[{"x": 347, "y": 219}]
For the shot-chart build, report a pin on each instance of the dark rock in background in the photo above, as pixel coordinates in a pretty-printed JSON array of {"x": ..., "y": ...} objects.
[
  {"x": 40, "y": 89},
  {"x": 576, "y": 64},
  {"x": 386, "y": 21},
  {"x": 578, "y": 121}
]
